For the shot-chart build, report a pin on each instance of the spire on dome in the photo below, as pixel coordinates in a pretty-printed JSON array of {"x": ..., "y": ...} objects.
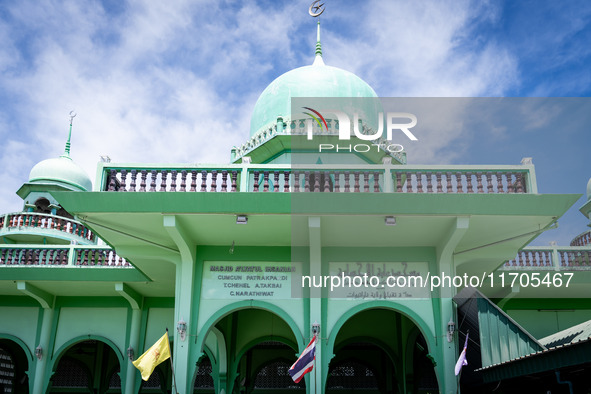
[
  {"x": 316, "y": 10},
  {"x": 67, "y": 150},
  {"x": 318, "y": 59},
  {"x": 318, "y": 45}
]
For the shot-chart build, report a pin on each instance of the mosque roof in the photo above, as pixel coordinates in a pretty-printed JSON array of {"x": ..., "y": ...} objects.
[
  {"x": 316, "y": 80},
  {"x": 61, "y": 170}
]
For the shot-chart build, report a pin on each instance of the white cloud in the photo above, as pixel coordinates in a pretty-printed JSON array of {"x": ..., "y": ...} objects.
[
  {"x": 135, "y": 103},
  {"x": 175, "y": 81},
  {"x": 428, "y": 49},
  {"x": 14, "y": 155}
]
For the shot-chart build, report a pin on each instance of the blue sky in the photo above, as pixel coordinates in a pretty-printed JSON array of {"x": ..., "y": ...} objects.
[{"x": 176, "y": 81}]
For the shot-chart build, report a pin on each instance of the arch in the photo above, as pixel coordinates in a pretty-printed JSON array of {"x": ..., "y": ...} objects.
[
  {"x": 207, "y": 352},
  {"x": 21, "y": 363},
  {"x": 417, "y": 322},
  {"x": 42, "y": 205},
  {"x": 390, "y": 305},
  {"x": 66, "y": 346},
  {"x": 412, "y": 338},
  {"x": 257, "y": 341},
  {"x": 221, "y": 359},
  {"x": 20, "y": 343},
  {"x": 209, "y": 355},
  {"x": 54, "y": 361},
  {"x": 422, "y": 366},
  {"x": 63, "y": 351},
  {"x": 248, "y": 304}
]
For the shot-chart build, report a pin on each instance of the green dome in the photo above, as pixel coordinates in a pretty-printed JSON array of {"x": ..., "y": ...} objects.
[
  {"x": 317, "y": 80},
  {"x": 61, "y": 170}
]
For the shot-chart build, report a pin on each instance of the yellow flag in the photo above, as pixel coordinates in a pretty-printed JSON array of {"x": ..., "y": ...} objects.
[{"x": 159, "y": 352}]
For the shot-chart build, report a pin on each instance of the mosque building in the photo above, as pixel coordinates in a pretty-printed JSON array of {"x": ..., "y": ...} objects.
[{"x": 227, "y": 259}]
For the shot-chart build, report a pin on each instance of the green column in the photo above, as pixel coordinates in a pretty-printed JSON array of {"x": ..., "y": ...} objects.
[
  {"x": 448, "y": 380},
  {"x": 134, "y": 336},
  {"x": 447, "y": 350},
  {"x": 41, "y": 365},
  {"x": 223, "y": 379},
  {"x": 182, "y": 311},
  {"x": 185, "y": 281},
  {"x": 47, "y": 302},
  {"x": 316, "y": 302},
  {"x": 136, "y": 302}
]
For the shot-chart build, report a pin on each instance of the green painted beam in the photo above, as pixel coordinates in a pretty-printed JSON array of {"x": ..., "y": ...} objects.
[
  {"x": 135, "y": 299},
  {"x": 22, "y": 301},
  {"x": 90, "y": 302},
  {"x": 85, "y": 204},
  {"x": 44, "y": 298},
  {"x": 76, "y": 274}
]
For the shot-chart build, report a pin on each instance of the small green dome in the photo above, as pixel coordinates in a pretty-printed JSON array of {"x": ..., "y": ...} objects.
[
  {"x": 61, "y": 170},
  {"x": 589, "y": 190},
  {"x": 317, "y": 80}
]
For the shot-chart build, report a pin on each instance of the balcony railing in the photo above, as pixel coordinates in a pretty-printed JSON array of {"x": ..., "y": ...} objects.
[
  {"x": 560, "y": 258},
  {"x": 386, "y": 178},
  {"x": 582, "y": 239},
  {"x": 28, "y": 221},
  {"x": 60, "y": 256}
]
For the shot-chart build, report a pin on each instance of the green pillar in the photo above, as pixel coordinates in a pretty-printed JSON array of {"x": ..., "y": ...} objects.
[
  {"x": 41, "y": 365},
  {"x": 316, "y": 303},
  {"x": 223, "y": 379},
  {"x": 185, "y": 280},
  {"x": 134, "y": 336},
  {"x": 448, "y": 383},
  {"x": 182, "y": 311},
  {"x": 448, "y": 380},
  {"x": 135, "y": 301},
  {"x": 47, "y": 302}
]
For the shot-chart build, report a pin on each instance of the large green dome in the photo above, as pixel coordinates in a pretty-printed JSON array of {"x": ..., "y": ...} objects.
[
  {"x": 317, "y": 80},
  {"x": 61, "y": 170}
]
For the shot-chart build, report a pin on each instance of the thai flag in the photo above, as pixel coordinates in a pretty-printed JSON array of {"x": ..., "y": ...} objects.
[
  {"x": 462, "y": 359},
  {"x": 305, "y": 363}
]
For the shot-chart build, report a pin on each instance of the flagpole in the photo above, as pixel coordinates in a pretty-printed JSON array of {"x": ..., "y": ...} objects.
[
  {"x": 460, "y": 374},
  {"x": 171, "y": 366},
  {"x": 315, "y": 369}
]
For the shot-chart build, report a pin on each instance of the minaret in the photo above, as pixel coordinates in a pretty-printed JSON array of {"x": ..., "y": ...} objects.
[
  {"x": 43, "y": 219},
  {"x": 67, "y": 150},
  {"x": 318, "y": 59}
]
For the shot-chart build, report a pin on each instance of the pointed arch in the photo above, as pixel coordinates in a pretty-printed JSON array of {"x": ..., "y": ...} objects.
[
  {"x": 249, "y": 304},
  {"x": 20, "y": 343},
  {"x": 388, "y": 305},
  {"x": 62, "y": 350}
]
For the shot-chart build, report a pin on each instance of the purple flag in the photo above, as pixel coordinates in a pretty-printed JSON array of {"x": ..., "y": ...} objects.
[{"x": 462, "y": 359}]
